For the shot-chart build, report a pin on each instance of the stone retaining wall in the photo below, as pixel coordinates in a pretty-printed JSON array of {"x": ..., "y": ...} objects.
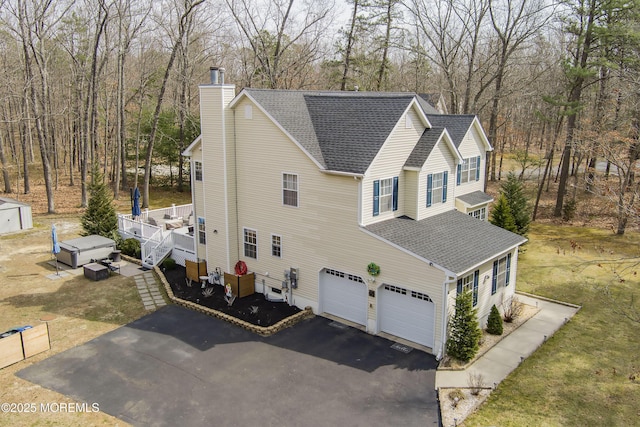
[{"x": 260, "y": 330}]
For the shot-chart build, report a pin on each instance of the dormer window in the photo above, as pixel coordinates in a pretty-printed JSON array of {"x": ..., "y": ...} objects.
[
  {"x": 469, "y": 170},
  {"x": 437, "y": 188},
  {"x": 385, "y": 195}
]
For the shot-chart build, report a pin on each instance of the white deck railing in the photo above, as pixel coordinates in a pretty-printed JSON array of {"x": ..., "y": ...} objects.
[
  {"x": 135, "y": 228},
  {"x": 156, "y": 249},
  {"x": 156, "y": 242},
  {"x": 180, "y": 211}
]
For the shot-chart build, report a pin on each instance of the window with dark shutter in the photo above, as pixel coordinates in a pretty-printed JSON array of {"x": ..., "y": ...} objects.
[{"x": 376, "y": 197}]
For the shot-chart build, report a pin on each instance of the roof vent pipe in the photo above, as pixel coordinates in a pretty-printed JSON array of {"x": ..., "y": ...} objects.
[
  {"x": 221, "y": 71},
  {"x": 214, "y": 73}
]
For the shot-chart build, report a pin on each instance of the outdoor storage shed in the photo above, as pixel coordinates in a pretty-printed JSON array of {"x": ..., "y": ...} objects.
[
  {"x": 14, "y": 216},
  {"x": 80, "y": 251}
]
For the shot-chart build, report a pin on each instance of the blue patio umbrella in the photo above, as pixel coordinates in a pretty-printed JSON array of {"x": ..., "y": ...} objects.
[
  {"x": 55, "y": 244},
  {"x": 135, "y": 207}
]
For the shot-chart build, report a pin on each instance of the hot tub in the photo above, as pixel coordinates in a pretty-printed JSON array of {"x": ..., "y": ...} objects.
[{"x": 78, "y": 252}]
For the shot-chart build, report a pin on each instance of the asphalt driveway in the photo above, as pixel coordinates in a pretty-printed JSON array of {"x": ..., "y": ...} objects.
[{"x": 176, "y": 367}]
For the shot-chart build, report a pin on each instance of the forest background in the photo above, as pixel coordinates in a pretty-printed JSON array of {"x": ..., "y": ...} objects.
[{"x": 114, "y": 83}]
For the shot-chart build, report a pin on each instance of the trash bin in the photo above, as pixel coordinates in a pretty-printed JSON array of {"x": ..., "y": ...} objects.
[{"x": 115, "y": 256}]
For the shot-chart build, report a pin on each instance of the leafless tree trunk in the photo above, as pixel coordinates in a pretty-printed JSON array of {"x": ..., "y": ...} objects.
[
  {"x": 443, "y": 27},
  {"x": 514, "y": 24},
  {"x": 189, "y": 7},
  {"x": 90, "y": 110},
  {"x": 351, "y": 35},
  {"x": 5, "y": 171},
  {"x": 34, "y": 24},
  {"x": 388, "y": 21},
  {"x": 293, "y": 47},
  {"x": 24, "y": 136},
  {"x": 476, "y": 13},
  {"x": 582, "y": 53},
  {"x": 127, "y": 31}
]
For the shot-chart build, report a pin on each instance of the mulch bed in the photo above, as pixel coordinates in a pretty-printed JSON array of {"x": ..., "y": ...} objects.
[{"x": 254, "y": 309}]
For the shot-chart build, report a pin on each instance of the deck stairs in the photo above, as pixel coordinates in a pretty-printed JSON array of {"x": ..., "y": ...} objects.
[{"x": 156, "y": 243}]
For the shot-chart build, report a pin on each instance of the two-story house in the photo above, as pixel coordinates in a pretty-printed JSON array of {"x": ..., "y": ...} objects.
[{"x": 310, "y": 188}]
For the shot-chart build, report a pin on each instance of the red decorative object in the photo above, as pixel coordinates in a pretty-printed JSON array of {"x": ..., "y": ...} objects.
[{"x": 241, "y": 268}]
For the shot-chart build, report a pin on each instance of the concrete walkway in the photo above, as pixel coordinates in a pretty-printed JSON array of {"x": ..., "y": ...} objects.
[
  {"x": 149, "y": 292},
  {"x": 505, "y": 356}
]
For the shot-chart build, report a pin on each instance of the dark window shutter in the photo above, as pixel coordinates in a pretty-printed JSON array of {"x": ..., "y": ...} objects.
[
  {"x": 376, "y": 197},
  {"x": 445, "y": 179},
  {"x": 429, "y": 188},
  {"x": 476, "y": 277},
  {"x": 459, "y": 174},
  {"x": 508, "y": 272},
  {"x": 395, "y": 193},
  {"x": 478, "y": 168},
  {"x": 494, "y": 281},
  {"x": 459, "y": 286}
]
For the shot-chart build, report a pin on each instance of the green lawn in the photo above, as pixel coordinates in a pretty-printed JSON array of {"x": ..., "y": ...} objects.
[{"x": 588, "y": 373}]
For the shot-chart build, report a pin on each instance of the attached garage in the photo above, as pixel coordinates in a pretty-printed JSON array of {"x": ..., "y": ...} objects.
[
  {"x": 406, "y": 314},
  {"x": 14, "y": 216},
  {"x": 343, "y": 295}
]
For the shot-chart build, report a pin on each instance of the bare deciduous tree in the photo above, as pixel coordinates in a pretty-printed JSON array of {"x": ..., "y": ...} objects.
[
  {"x": 284, "y": 38},
  {"x": 184, "y": 10}
]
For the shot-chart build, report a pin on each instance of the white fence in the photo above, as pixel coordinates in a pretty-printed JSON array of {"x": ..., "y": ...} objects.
[{"x": 156, "y": 242}]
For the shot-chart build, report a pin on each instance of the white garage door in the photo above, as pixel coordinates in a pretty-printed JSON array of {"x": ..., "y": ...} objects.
[
  {"x": 407, "y": 314},
  {"x": 343, "y": 295}
]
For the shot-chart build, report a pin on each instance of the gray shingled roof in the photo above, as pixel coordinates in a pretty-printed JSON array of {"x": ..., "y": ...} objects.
[
  {"x": 343, "y": 131},
  {"x": 423, "y": 148},
  {"x": 352, "y": 129},
  {"x": 456, "y": 124},
  {"x": 475, "y": 198},
  {"x": 288, "y": 107},
  {"x": 453, "y": 240},
  {"x": 428, "y": 101}
]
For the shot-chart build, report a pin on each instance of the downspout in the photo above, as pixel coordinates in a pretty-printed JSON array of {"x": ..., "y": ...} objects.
[
  {"x": 445, "y": 305},
  {"x": 359, "y": 179},
  {"x": 194, "y": 206}
]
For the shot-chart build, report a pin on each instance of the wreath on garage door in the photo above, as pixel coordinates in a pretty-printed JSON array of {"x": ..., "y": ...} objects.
[{"x": 373, "y": 269}]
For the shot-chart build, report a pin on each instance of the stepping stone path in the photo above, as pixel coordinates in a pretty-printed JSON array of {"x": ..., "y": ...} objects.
[{"x": 149, "y": 292}]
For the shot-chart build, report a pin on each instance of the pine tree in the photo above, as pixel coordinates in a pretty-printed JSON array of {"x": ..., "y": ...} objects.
[
  {"x": 520, "y": 209},
  {"x": 100, "y": 217},
  {"x": 501, "y": 215},
  {"x": 464, "y": 330},
  {"x": 494, "y": 323}
]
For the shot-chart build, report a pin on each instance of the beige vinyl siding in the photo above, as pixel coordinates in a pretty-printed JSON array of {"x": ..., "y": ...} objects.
[
  {"x": 322, "y": 232},
  {"x": 411, "y": 198},
  {"x": 217, "y": 173},
  {"x": 485, "y": 299},
  {"x": 389, "y": 163},
  {"x": 472, "y": 146},
  {"x": 197, "y": 197},
  {"x": 460, "y": 206},
  {"x": 441, "y": 159}
]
